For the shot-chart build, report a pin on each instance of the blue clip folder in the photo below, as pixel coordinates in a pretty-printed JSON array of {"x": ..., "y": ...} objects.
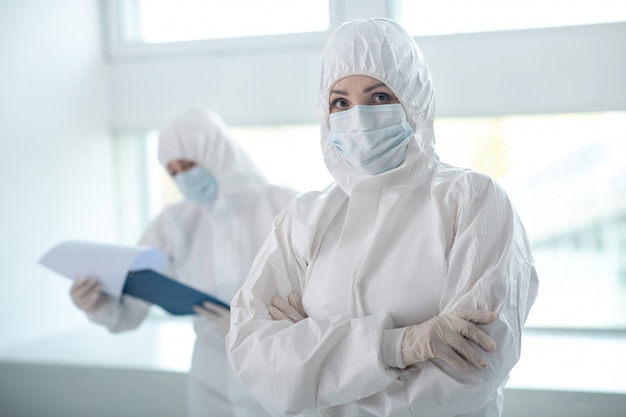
[{"x": 174, "y": 297}]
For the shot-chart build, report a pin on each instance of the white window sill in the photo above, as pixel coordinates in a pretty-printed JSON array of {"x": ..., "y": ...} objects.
[
  {"x": 571, "y": 361},
  {"x": 159, "y": 345}
]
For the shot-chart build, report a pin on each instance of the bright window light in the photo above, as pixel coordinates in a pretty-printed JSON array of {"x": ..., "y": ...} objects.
[
  {"x": 441, "y": 17},
  {"x": 564, "y": 173},
  {"x": 159, "y": 21},
  {"x": 566, "y": 177}
]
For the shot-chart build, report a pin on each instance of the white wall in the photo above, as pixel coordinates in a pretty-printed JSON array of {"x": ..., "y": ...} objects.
[
  {"x": 567, "y": 69},
  {"x": 55, "y": 155}
]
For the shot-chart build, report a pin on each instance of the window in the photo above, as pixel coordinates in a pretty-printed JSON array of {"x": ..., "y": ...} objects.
[
  {"x": 566, "y": 177},
  {"x": 146, "y": 27},
  {"x": 146, "y": 188},
  {"x": 288, "y": 155},
  {"x": 564, "y": 173},
  {"x": 155, "y": 21},
  {"x": 441, "y": 17}
]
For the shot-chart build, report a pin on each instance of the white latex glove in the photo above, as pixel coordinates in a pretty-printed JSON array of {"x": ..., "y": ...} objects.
[
  {"x": 451, "y": 338},
  {"x": 217, "y": 314},
  {"x": 87, "y": 294},
  {"x": 292, "y": 311}
]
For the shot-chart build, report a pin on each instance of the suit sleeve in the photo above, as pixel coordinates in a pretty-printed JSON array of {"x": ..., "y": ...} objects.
[
  {"x": 124, "y": 313},
  {"x": 489, "y": 266}
]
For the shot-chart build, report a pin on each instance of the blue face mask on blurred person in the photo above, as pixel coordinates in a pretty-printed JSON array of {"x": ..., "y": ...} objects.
[
  {"x": 371, "y": 138},
  {"x": 197, "y": 185}
]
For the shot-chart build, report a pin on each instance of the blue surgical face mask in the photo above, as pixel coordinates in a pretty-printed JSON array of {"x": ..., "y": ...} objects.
[
  {"x": 197, "y": 185},
  {"x": 371, "y": 138}
]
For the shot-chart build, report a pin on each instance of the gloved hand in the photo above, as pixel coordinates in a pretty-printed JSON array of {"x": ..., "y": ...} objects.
[
  {"x": 87, "y": 294},
  {"x": 292, "y": 311},
  {"x": 217, "y": 314},
  {"x": 449, "y": 337}
]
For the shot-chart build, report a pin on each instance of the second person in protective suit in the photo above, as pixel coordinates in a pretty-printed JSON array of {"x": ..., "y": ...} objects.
[{"x": 210, "y": 240}]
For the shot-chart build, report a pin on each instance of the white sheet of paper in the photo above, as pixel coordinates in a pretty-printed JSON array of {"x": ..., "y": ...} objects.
[{"x": 109, "y": 263}]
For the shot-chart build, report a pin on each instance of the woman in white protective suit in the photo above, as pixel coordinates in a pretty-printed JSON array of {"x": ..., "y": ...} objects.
[
  {"x": 402, "y": 288},
  {"x": 210, "y": 240}
]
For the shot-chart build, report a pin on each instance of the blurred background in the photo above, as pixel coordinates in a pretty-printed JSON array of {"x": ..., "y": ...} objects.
[{"x": 532, "y": 93}]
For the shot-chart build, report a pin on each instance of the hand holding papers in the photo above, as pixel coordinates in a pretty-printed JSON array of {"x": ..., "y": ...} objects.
[
  {"x": 215, "y": 313},
  {"x": 132, "y": 270}
]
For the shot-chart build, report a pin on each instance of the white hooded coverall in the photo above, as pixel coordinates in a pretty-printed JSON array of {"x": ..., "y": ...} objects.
[
  {"x": 372, "y": 253},
  {"x": 209, "y": 247}
]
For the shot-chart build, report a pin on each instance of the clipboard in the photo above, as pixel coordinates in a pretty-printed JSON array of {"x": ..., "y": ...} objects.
[{"x": 173, "y": 296}]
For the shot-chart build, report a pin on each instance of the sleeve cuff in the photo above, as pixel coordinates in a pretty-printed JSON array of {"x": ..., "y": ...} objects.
[{"x": 391, "y": 347}]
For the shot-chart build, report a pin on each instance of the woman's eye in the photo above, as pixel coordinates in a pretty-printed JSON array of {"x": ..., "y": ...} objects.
[
  {"x": 340, "y": 103},
  {"x": 380, "y": 98}
]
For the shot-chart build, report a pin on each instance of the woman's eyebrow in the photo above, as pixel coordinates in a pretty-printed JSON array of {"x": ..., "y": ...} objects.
[
  {"x": 373, "y": 87},
  {"x": 341, "y": 92}
]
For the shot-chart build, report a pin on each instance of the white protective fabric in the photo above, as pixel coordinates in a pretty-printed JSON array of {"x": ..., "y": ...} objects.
[
  {"x": 209, "y": 247},
  {"x": 374, "y": 253}
]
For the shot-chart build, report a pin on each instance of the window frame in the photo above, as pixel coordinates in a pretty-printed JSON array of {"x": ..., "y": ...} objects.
[{"x": 117, "y": 22}]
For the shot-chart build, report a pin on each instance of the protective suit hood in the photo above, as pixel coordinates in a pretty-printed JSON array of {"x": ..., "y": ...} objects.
[
  {"x": 200, "y": 135},
  {"x": 381, "y": 49}
]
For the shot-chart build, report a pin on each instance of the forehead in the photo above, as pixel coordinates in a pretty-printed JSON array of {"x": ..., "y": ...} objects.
[{"x": 355, "y": 82}]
